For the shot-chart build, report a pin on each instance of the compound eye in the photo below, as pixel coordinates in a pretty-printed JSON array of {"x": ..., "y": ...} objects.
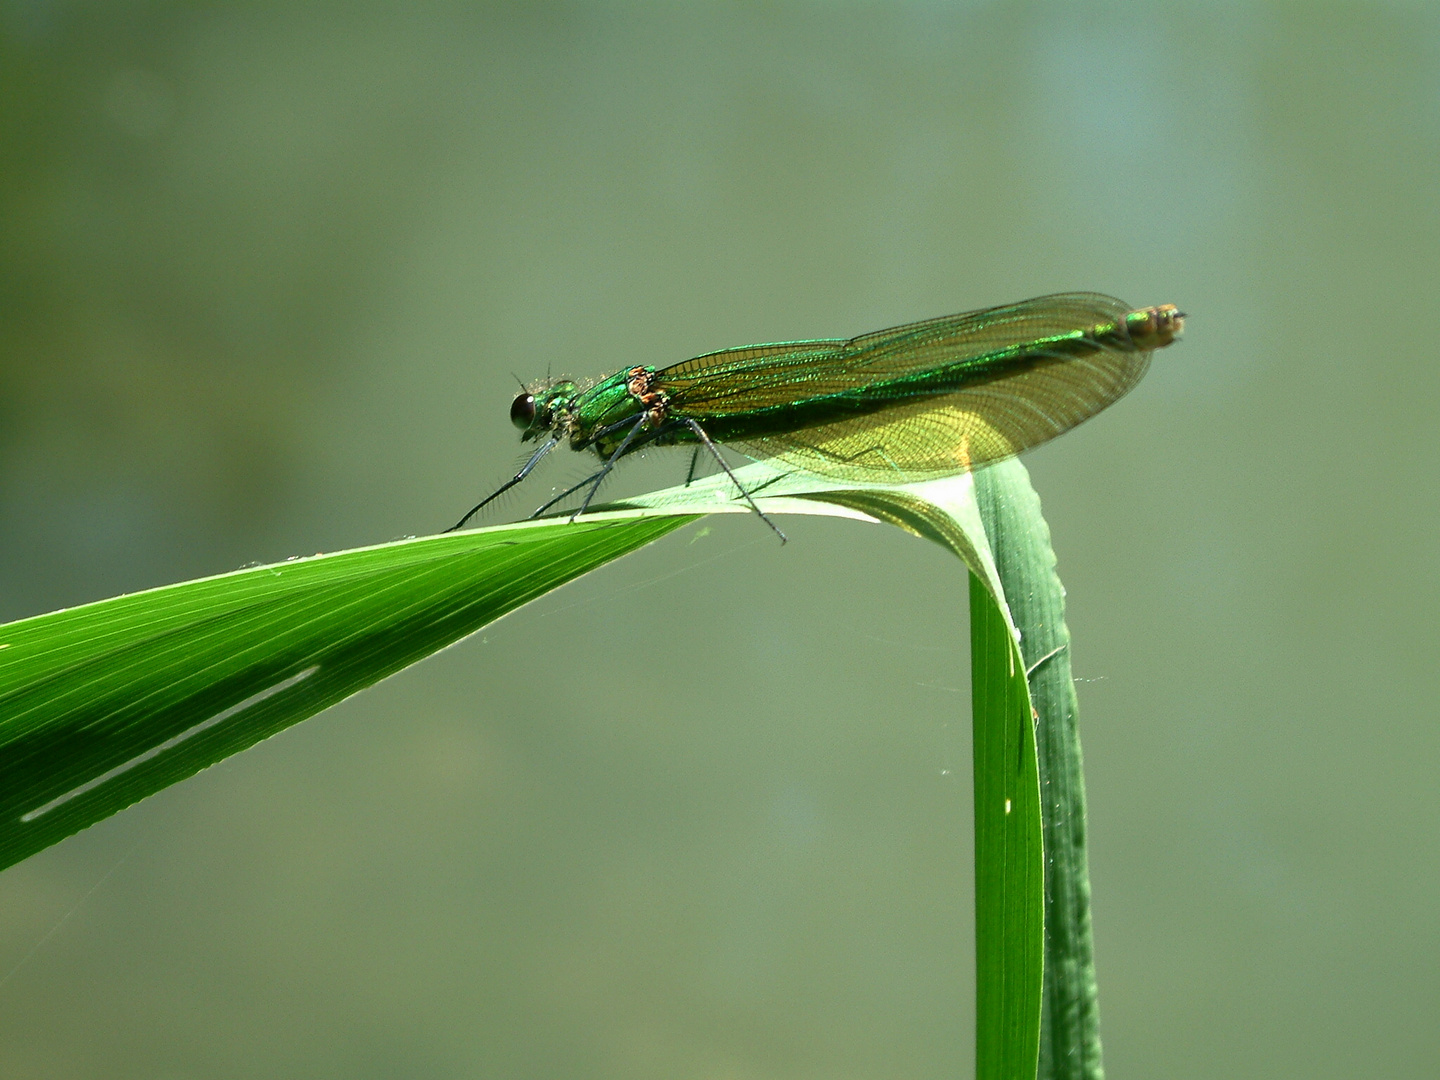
[{"x": 522, "y": 411}]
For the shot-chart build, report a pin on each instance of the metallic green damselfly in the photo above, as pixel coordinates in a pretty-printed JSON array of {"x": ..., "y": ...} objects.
[{"x": 915, "y": 402}]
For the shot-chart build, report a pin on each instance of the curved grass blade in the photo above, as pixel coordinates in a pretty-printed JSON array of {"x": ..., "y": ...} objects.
[
  {"x": 105, "y": 704},
  {"x": 1010, "y": 936}
]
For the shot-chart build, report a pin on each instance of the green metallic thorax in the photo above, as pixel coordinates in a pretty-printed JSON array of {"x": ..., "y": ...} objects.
[{"x": 607, "y": 402}]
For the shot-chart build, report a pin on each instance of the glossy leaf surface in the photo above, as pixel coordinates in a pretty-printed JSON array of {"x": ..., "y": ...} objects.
[{"x": 104, "y": 704}]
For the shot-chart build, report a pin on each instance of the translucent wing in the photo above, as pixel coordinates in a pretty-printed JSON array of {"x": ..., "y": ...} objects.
[
  {"x": 765, "y": 376},
  {"x": 928, "y": 437},
  {"x": 756, "y": 376}
]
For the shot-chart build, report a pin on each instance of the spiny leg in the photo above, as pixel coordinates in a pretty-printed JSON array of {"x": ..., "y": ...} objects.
[
  {"x": 610, "y": 463},
  {"x": 694, "y": 463},
  {"x": 704, "y": 438},
  {"x": 566, "y": 493},
  {"x": 524, "y": 472},
  {"x": 599, "y": 474}
]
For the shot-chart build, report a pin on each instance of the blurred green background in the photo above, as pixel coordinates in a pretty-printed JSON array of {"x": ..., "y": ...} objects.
[{"x": 267, "y": 275}]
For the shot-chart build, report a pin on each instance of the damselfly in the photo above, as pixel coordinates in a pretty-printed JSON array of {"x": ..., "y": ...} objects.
[{"x": 915, "y": 402}]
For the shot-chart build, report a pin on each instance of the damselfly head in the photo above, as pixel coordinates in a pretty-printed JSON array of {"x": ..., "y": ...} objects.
[
  {"x": 1154, "y": 327},
  {"x": 541, "y": 411}
]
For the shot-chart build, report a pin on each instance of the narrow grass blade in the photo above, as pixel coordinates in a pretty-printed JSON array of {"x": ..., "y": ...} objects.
[
  {"x": 104, "y": 704},
  {"x": 1009, "y": 853},
  {"x": 1009, "y": 867},
  {"x": 1020, "y": 540}
]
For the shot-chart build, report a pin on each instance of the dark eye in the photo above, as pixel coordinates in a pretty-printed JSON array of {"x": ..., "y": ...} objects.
[{"x": 522, "y": 411}]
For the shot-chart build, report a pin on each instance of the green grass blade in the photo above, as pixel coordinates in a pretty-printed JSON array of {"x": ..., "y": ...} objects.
[
  {"x": 1020, "y": 539},
  {"x": 1009, "y": 864},
  {"x": 1010, "y": 933},
  {"x": 104, "y": 704}
]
